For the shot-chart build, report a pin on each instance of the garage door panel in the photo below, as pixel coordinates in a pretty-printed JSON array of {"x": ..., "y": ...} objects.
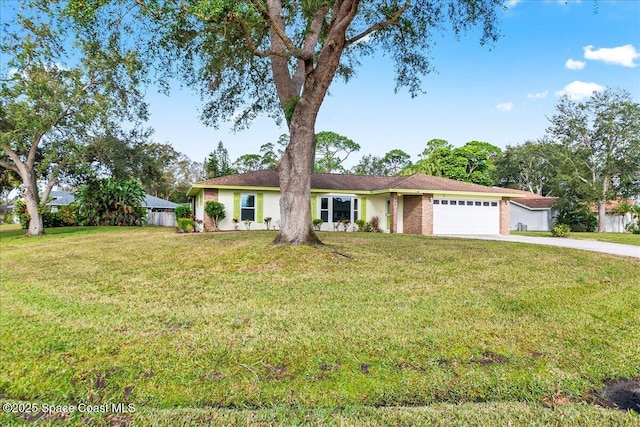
[{"x": 466, "y": 218}]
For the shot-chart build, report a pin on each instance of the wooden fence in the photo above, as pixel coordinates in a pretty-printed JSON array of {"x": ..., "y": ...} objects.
[{"x": 163, "y": 219}]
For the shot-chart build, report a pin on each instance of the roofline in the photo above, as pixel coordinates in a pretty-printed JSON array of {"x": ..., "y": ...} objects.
[
  {"x": 193, "y": 191},
  {"x": 529, "y": 208}
]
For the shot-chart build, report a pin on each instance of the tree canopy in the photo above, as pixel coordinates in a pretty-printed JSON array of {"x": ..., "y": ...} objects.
[{"x": 53, "y": 102}]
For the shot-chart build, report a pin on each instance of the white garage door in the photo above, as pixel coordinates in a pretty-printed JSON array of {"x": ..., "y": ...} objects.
[{"x": 466, "y": 216}]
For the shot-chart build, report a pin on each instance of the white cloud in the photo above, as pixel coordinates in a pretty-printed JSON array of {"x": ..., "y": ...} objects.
[
  {"x": 512, "y": 3},
  {"x": 572, "y": 64},
  {"x": 538, "y": 95},
  {"x": 578, "y": 90},
  {"x": 505, "y": 106},
  {"x": 621, "y": 55}
]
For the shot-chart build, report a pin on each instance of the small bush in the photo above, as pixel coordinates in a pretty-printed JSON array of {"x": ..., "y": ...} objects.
[
  {"x": 561, "y": 230},
  {"x": 186, "y": 224},
  {"x": 182, "y": 211},
  {"x": 374, "y": 224},
  {"x": 633, "y": 228},
  {"x": 215, "y": 211},
  {"x": 317, "y": 224},
  {"x": 362, "y": 225}
]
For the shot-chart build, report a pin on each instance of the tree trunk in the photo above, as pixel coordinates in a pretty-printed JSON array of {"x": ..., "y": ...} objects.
[
  {"x": 602, "y": 217},
  {"x": 30, "y": 195},
  {"x": 295, "y": 170}
]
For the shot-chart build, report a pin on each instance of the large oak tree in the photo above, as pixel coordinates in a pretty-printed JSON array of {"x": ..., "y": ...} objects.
[
  {"x": 275, "y": 57},
  {"x": 52, "y": 102}
]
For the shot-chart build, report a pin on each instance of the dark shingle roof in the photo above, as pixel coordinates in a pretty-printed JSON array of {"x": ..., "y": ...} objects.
[
  {"x": 534, "y": 201},
  {"x": 325, "y": 181}
]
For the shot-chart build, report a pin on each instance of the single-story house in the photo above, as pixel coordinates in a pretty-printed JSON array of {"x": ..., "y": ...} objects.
[
  {"x": 415, "y": 204},
  {"x": 532, "y": 212}
]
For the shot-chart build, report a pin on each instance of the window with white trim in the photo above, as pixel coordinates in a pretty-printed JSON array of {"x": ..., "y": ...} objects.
[
  {"x": 247, "y": 207},
  {"x": 337, "y": 208}
]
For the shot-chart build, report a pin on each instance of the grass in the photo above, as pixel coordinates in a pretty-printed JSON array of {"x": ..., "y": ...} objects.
[
  {"x": 374, "y": 329},
  {"x": 624, "y": 238}
]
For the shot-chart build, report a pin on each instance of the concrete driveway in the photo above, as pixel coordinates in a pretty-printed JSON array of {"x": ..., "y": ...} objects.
[{"x": 586, "y": 245}]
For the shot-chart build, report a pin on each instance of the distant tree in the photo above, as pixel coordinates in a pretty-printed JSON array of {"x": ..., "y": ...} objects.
[
  {"x": 369, "y": 165},
  {"x": 332, "y": 150},
  {"x": 601, "y": 138},
  {"x": 248, "y": 163},
  {"x": 532, "y": 166},
  {"x": 473, "y": 162},
  {"x": 218, "y": 164},
  {"x": 394, "y": 161},
  {"x": 390, "y": 164},
  {"x": 52, "y": 102}
]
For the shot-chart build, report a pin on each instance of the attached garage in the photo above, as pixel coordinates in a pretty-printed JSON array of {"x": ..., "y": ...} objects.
[{"x": 466, "y": 216}]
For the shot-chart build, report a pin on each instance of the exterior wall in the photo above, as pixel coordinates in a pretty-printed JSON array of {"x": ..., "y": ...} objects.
[
  {"x": 535, "y": 220},
  {"x": 616, "y": 223},
  {"x": 417, "y": 214},
  {"x": 504, "y": 216},
  {"x": 270, "y": 208}
]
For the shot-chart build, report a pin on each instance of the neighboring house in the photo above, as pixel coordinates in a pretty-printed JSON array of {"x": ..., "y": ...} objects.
[
  {"x": 532, "y": 212},
  {"x": 614, "y": 222},
  {"x": 415, "y": 204},
  {"x": 159, "y": 211}
]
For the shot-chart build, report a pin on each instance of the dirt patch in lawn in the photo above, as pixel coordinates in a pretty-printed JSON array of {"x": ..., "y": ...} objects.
[{"x": 622, "y": 394}]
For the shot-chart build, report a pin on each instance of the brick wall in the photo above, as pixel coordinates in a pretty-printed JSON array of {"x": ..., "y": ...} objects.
[
  {"x": 505, "y": 220},
  {"x": 209, "y": 194},
  {"x": 418, "y": 214}
]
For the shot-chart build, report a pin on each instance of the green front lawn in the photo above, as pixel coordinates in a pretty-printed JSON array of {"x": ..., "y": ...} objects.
[
  {"x": 225, "y": 328},
  {"x": 624, "y": 238}
]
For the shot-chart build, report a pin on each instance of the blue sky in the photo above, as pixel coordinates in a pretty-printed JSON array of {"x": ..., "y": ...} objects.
[{"x": 502, "y": 95}]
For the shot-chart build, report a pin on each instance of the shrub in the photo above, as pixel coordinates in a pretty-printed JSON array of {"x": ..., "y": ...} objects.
[
  {"x": 374, "y": 224},
  {"x": 182, "y": 211},
  {"x": 317, "y": 224},
  {"x": 215, "y": 211},
  {"x": 633, "y": 228},
  {"x": 186, "y": 225},
  {"x": 362, "y": 225},
  {"x": 267, "y": 222},
  {"x": 561, "y": 230}
]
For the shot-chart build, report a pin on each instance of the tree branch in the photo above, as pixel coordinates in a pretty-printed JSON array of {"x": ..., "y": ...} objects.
[
  {"x": 51, "y": 182},
  {"x": 393, "y": 19},
  {"x": 9, "y": 166}
]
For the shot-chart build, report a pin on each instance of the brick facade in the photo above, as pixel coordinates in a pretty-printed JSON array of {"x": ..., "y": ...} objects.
[
  {"x": 418, "y": 214},
  {"x": 209, "y": 194},
  {"x": 505, "y": 220}
]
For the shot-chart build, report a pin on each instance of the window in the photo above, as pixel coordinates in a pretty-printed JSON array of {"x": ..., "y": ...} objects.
[
  {"x": 436, "y": 202},
  {"x": 469, "y": 203},
  {"x": 494, "y": 203},
  {"x": 485, "y": 203},
  {"x": 461, "y": 202},
  {"x": 453, "y": 202},
  {"x": 247, "y": 207},
  {"x": 336, "y": 209},
  {"x": 445, "y": 202},
  {"x": 478, "y": 203}
]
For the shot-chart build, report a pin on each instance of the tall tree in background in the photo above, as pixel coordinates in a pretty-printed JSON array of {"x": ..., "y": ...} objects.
[
  {"x": 602, "y": 141},
  {"x": 49, "y": 106},
  {"x": 390, "y": 164},
  {"x": 218, "y": 163},
  {"x": 279, "y": 57},
  {"x": 473, "y": 162},
  {"x": 331, "y": 150},
  {"x": 530, "y": 167}
]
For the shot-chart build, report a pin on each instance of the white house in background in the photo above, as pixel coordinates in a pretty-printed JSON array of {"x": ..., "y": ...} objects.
[
  {"x": 532, "y": 212},
  {"x": 415, "y": 204},
  {"x": 615, "y": 223}
]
